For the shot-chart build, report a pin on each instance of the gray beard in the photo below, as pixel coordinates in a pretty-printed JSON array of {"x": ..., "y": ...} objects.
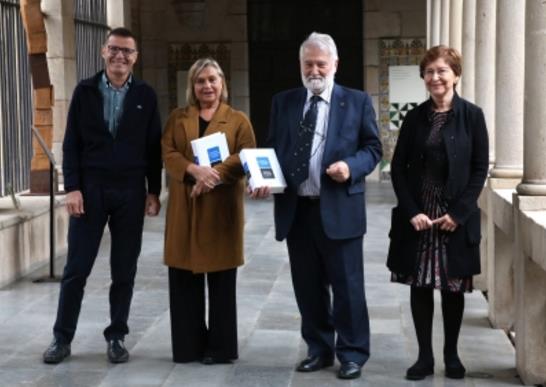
[{"x": 318, "y": 84}]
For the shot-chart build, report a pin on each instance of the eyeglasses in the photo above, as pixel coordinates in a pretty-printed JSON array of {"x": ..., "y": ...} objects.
[
  {"x": 442, "y": 72},
  {"x": 125, "y": 51}
]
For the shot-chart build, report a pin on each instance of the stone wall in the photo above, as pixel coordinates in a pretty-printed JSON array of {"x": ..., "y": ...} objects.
[
  {"x": 24, "y": 236},
  {"x": 201, "y": 25}
]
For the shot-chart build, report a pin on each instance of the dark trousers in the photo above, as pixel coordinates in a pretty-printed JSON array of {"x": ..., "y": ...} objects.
[
  {"x": 123, "y": 211},
  {"x": 319, "y": 264},
  {"x": 192, "y": 339}
]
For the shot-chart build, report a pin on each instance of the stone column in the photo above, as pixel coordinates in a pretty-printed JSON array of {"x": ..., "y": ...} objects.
[
  {"x": 435, "y": 9},
  {"x": 507, "y": 171},
  {"x": 485, "y": 98},
  {"x": 534, "y": 158},
  {"x": 429, "y": 21},
  {"x": 510, "y": 77},
  {"x": 530, "y": 205},
  {"x": 118, "y": 13},
  {"x": 469, "y": 49},
  {"x": 444, "y": 24},
  {"x": 61, "y": 60},
  {"x": 485, "y": 66},
  {"x": 456, "y": 24}
]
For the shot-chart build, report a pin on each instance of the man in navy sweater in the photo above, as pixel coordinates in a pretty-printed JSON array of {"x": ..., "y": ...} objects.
[{"x": 112, "y": 174}]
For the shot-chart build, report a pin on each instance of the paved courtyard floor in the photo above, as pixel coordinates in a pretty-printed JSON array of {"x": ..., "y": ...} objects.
[{"x": 269, "y": 339}]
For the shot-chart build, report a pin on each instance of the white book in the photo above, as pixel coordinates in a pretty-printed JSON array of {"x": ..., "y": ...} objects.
[
  {"x": 210, "y": 150},
  {"x": 262, "y": 169}
]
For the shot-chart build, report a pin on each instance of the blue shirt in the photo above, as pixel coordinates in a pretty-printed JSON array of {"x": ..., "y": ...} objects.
[{"x": 113, "y": 102}]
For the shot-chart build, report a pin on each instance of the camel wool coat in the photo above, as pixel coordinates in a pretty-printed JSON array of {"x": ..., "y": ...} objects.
[{"x": 205, "y": 234}]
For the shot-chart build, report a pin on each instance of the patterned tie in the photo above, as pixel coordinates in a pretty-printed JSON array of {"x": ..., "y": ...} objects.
[{"x": 299, "y": 170}]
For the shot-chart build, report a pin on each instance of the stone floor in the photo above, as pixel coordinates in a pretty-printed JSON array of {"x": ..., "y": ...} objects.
[{"x": 269, "y": 337}]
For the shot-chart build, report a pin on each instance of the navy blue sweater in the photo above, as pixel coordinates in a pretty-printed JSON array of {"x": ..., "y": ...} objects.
[{"x": 91, "y": 155}]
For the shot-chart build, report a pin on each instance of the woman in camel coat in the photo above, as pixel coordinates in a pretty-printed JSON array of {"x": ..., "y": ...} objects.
[{"x": 205, "y": 219}]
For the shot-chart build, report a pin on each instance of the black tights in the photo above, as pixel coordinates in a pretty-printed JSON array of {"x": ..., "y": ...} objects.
[{"x": 422, "y": 310}]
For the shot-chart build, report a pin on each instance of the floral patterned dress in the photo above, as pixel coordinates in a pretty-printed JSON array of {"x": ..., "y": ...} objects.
[{"x": 431, "y": 267}]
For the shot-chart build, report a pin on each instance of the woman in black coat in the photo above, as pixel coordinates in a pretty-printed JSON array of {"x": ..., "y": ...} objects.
[{"x": 438, "y": 171}]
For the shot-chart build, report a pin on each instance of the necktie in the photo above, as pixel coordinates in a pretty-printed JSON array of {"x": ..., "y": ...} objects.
[{"x": 299, "y": 170}]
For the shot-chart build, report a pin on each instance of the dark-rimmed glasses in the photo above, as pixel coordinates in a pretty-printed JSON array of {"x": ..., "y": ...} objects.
[{"x": 125, "y": 51}]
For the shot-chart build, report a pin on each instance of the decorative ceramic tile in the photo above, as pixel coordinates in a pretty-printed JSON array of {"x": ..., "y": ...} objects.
[
  {"x": 394, "y": 52},
  {"x": 397, "y": 113}
]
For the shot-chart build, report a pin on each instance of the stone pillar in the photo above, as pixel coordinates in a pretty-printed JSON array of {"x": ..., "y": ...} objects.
[
  {"x": 507, "y": 171},
  {"x": 500, "y": 265},
  {"x": 530, "y": 278},
  {"x": 239, "y": 88},
  {"x": 456, "y": 24},
  {"x": 485, "y": 98},
  {"x": 435, "y": 17},
  {"x": 485, "y": 66},
  {"x": 444, "y": 26},
  {"x": 429, "y": 21},
  {"x": 530, "y": 249},
  {"x": 534, "y": 158},
  {"x": 509, "y": 76},
  {"x": 61, "y": 60},
  {"x": 154, "y": 50},
  {"x": 469, "y": 50},
  {"x": 118, "y": 13}
]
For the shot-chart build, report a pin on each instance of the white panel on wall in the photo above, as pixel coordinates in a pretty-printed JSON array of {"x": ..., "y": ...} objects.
[{"x": 406, "y": 91}]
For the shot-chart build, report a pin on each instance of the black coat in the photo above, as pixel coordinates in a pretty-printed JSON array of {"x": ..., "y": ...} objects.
[
  {"x": 467, "y": 148},
  {"x": 92, "y": 155}
]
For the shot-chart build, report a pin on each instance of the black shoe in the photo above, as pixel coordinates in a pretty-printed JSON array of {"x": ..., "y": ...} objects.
[
  {"x": 314, "y": 363},
  {"x": 349, "y": 370},
  {"x": 56, "y": 352},
  {"x": 117, "y": 353},
  {"x": 454, "y": 368},
  {"x": 420, "y": 370},
  {"x": 210, "y": 360}
]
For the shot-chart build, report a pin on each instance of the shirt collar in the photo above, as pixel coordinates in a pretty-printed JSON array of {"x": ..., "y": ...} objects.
[
  {"x": 106, "y": 82},
  {"x": 326, "y": 94}
]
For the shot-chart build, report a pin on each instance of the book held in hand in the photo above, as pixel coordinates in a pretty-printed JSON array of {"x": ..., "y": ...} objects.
[
  {"x": 210, "y": 150},
  {"x": 262, "y": 169}
]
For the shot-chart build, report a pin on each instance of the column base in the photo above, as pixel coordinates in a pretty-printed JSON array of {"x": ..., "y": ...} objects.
[
  {"x": 531, "y": 189},
  {"x": 506, "y": 173}
]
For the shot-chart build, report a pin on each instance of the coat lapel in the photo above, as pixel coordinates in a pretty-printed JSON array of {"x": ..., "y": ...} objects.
[
  {"x": 336, "y": 118},
  {"x": 191, "y": 123},
  {"x": 219, "y": 120},
  {"x": 295, "y": 115}
]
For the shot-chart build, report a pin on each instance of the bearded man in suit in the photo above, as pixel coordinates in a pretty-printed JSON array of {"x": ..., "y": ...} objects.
[{"x": 326, "y": 139}]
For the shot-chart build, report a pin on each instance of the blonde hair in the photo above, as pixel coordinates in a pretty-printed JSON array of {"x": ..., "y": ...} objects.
[{"x": 195, "y": 70}]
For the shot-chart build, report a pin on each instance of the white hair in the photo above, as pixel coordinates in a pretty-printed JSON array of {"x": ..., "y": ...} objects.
[{"x": 322, "y": 41}]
